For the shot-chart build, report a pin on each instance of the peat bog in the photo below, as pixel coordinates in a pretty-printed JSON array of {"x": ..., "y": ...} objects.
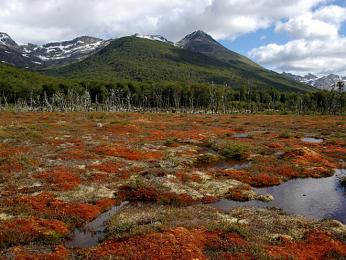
[{"x": 184, "y": 183}]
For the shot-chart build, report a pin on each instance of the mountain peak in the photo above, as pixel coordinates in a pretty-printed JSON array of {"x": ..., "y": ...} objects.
[
  {"x": 197, "y": 36},
  {"x": 6, "y": 40}
]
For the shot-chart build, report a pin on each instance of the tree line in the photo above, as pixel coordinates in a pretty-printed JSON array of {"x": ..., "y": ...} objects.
[{"x": 168, "y": 97}]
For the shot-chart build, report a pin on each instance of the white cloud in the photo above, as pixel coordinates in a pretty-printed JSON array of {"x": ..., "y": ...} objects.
[
  {"x": 317, "y": 46},
  {"x": 44, "y": 20}
]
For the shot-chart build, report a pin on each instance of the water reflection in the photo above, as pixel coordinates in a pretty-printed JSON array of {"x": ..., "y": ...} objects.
[
  {"x": 314, "y": 198},
  {"x": 312, "y": 140},
  {"x": 93, "y": 232}
]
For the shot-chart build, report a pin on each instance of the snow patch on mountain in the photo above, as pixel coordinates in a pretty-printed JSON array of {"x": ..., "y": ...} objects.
[
  {"x": 64, "y": 50},
  {"x": 6, "y": 40},
  {"x": 153, "y": 38},
  {"x": 324, "y": 82}
]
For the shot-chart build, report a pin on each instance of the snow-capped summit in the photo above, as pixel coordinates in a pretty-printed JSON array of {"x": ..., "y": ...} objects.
[
  {"x": 6, "y": 40},
  {"x": 61, "y": 50},
  {"x": 153, "y": 38},
  {"x": 33, "y": 56},
  {"x": 324, "y": 82}
]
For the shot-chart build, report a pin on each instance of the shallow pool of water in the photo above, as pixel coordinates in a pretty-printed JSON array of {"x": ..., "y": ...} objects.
[
  {"x": 314, "y": 198},
  {"x": 241, "y": 135},
  {"x": 312, "y": 140},
  {"x": 232, "y": 165},
  {"x": 93, "y": 232}
]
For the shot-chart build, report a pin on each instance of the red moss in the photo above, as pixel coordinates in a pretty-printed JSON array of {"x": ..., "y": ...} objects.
[
  {"x": 59, "y": 253},
  {"x": 78, "y": 153},
  {"x": 30, "y": 229},
  {"x": 105, "y": 204},
  {"x": 237, "y": 194},
  {"x": 47, "y": 205},
  {"x": 113, "y": 168},
  {"x": 264, "y": 180},
  {"x": 287, "y": 171},
  {"x": 234, "y": 174},
  {"x": 218, "y": 241},
  {"x": 7, "y": 151},
  {"x": 275, "y": 145},
  {"x": 178, "y": 243},
  {"x": 10, "y": 158},
  {"x": 128, "y": 154},
  {"x": 317, "y": 246},
  {"x": 307, "y": 157},
  {"x": 318, "y": 172},
  {"x": 60, "y": 179}
]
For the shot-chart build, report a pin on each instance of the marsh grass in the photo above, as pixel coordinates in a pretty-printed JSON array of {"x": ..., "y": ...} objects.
[{"x": 232, "y": 149}]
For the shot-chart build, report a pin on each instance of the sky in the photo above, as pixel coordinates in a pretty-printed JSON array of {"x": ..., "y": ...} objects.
[{"x": 298, "y": 36}]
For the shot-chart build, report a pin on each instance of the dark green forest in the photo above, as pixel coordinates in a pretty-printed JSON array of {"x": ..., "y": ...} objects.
[{"x": 32, "y": 91}]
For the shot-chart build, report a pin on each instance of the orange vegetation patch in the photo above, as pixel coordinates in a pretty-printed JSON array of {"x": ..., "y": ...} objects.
[
  {"x": 7, "y": 151},
  {"x": 218, "y": 241},
  {"x": 337, "y": 150},
  {"x": 187, "y": 177},
  {"x": 318, "y": 172},
  {"x": 128, "y": 154},
  {"x": 308, "y": 157},
  {"x": 123, "y": 129},
  {"x": 60, "y": 179},
  {"x": 105, "y": 204},
  {"x": 78, "y": 153},
  {"x": 26, "y": 230},
  {"x": 9, "y": 158},
  {"x": 178, "y": 243},
  {"x": 317, "y": 246},
  {"x": 10, "y": 165},
  {"x": 59, "y": 253},
  {"x": 258, "y": 180},
  {"x": 113, "y": 168},
  {"x": 47, "y": 205},
  {"x": 238, "y": 194},
  {"x": 264, "y": 180}
]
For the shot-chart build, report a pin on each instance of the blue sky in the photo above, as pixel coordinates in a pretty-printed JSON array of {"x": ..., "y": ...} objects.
[
  {"x": 298, "y": 36},
  {"x": 244, "y": 43}
]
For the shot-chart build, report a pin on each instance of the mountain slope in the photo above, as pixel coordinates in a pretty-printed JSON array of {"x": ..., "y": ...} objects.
[
  {"x": 203, "y": 43},
  {"x": 141, "y": 59},
  {"x": 18, "y": 82}
]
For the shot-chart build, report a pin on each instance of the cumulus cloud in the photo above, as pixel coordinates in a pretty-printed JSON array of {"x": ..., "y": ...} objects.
[
  {"x": 313, "y": 25},
  {"x": 45, "y": 20},
  {"x": 317, "y": 45}
]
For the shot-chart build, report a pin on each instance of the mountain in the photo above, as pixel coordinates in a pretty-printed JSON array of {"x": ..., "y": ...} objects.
[
  {"x": 324, "y": 82},
  {"x": 33, "y": 56},
  {"x": 6, "y": 40},
  {"x": 201, "y": 42},
  {"x": 196, "y": 58},
  {"x": 11, "y": 52}
]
